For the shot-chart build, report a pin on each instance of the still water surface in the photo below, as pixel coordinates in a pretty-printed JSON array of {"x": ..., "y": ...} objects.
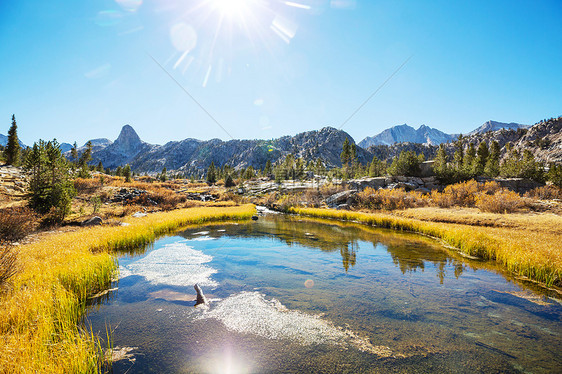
[{"x": 304, "y": 296}]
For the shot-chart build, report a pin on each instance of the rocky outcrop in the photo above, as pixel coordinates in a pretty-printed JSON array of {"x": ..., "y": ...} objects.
[{"x": 94, "y": 221}]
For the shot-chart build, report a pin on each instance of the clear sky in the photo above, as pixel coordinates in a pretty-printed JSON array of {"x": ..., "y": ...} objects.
[{"x": 78, "y": 70}]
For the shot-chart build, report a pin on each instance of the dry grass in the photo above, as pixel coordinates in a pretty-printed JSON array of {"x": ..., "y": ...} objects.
[
  {"x": 41, "y": 312},
  {"x": 533, "y": 253}
]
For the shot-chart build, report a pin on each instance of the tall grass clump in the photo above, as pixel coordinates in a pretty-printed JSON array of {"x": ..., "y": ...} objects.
[
  {"x": 533, "y": 255},
  {"x": 41, "y": 312}
]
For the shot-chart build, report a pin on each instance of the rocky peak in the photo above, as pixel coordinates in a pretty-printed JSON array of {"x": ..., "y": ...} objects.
[{"x": 128, "y": 141}]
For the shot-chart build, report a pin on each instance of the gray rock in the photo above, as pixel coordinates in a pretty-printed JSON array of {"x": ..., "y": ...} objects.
[
  {"x": 340, "y": 197},
  {"x": 94, "y": 221}
]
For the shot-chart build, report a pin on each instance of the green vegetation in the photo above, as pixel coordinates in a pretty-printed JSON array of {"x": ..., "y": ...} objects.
[
  {"x": 12, "y": 152},
  {"x": 211, "y": 174},
  {"x": 407, "y": 163},
  {"x": 50, "y": 186}
]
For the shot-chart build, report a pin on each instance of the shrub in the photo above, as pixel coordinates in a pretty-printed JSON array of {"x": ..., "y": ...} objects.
[
  {"x": 389, "y": 199},
  {"x": 83, "y": 185},
  {"x": 16, "y": 223},
  {"x": 545, "y": 193},
  {"x": 461, "y": 194},
  {"x": 502, "y": 201}
]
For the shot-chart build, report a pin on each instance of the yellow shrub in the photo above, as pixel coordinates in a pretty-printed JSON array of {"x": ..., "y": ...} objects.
[{"x": 500, "y": 202}]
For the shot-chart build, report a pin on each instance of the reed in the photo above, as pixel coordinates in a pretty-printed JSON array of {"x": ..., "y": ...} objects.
[
  {"x": 532, "y": 254},
  {"x": 41, "y": 313}
]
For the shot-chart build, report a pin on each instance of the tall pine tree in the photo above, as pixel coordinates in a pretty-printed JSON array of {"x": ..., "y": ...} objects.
[{"x": 13, "y": 146}]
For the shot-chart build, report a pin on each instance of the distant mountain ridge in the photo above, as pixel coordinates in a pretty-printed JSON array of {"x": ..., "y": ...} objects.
[
  {"x": 495, "y": 126},
  {"x": 407, "y": 134},
  {"x": 194, "y": 156}
]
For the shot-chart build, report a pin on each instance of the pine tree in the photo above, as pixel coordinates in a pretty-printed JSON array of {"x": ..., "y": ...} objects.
[
  {"x": 440, "y": 165},
  {"x": 469, "y": 161},
  {"x": 267, "y": 168},
  {"x": 164, "y": 175},
  {"x": 482, "y": 155},
  {"x": 51, "y": 189},
  {"x": 377, "y": 168},
  {"x": 74, "y": 154},
  {"x": 211, "y": 174},
  {"x": 492, "y": 168},
  {"x": 127, "y": 173},
  {"x": 12, "y": 151},
  {"x": 345, "y": 154}
]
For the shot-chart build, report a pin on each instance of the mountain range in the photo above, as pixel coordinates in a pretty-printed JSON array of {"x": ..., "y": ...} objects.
[
  {"x": 407, "y": 134},
  {"x": 193, "y": 156}
]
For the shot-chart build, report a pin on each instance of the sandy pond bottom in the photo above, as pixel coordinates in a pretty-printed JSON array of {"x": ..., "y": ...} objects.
[{"x": 303, "y": 296}]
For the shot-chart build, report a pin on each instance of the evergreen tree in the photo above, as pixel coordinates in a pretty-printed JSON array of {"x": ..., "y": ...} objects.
[
  {"x": 119, "y": 171},
  {"x": 555, "y": 174},
  {"x": 345, "y": 154},
  {"x": 51, "y": 189},
  {"x": 100, "y": 167},
  {"x": 406, "y": 164},
  {"x": 492, "y": 168},
  {"x": 511, "y": 167},
  {"x": 319, "y": 168},
  {"x": 228, "y": 181},
  {"x": 74, "y": 154},
  {"x": 249, "y": 173},
  {"x": 441, "y": 166},
  {"x": 377, "y": 168},
  {"x": 12, "y": 151},
  {"x": 482, "y": 155},
  {"x": 127, "y": 173},
  {"x": 164, "y": 175},
  {"x": 530, "y": 168},
  {"x": 86, "y": 156},
  {"x": 469, "y": 162},
  {"x": 267, "y": 169},
  {"x": 211, "y": 174}
]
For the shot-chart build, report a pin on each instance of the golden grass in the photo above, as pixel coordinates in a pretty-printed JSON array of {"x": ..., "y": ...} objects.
[
  {"x": 40, "y": 314},
  {"x": 533, "y": 253}
]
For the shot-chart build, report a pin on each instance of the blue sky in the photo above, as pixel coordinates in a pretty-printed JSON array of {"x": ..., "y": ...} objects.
[{"x": 77, "y": 70}]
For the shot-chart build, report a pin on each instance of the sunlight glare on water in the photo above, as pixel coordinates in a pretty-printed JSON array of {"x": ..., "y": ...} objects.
[{"x": 174, "y": 264}]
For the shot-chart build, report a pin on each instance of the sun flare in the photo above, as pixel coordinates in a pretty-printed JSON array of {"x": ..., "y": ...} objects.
[{"x": 233, "y": 8}]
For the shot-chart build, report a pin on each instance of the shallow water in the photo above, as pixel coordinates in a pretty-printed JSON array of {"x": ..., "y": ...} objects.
[{"x": 298, "y": 295}]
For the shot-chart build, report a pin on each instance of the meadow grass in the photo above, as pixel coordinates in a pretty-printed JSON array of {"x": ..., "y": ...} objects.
[
  {"x": 533, "y": 253},
  {"x": 41, "y": 312}
]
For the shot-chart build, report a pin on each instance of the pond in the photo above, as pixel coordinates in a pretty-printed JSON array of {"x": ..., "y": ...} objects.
[{"x": 290, "y": 294}]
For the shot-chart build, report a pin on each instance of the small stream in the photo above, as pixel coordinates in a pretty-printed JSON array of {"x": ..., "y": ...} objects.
[{"x": 296, "y": 295}]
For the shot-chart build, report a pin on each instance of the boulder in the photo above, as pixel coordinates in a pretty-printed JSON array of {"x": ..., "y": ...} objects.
[
  {"x": 94, "y": 221},
  {"x": 340, "y": 197}
]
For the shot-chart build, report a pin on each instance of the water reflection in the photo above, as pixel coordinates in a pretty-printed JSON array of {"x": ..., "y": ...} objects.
[
  {"x": 329, "y": 236},
  {"x": 298, "y": 295}
]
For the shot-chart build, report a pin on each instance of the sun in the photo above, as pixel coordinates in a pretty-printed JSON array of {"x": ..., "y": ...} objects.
[{"x": 233, "y": 8}]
